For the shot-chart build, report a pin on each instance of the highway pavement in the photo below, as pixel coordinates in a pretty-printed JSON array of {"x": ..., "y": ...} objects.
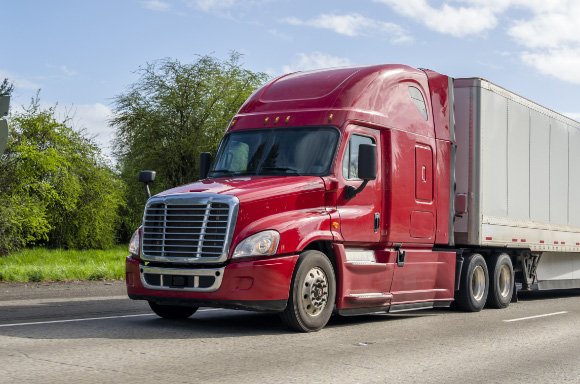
[{"x": 91, "y": 333}]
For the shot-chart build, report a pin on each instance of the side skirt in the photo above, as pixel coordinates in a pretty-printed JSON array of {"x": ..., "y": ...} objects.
[
  {"x": 395, "y": 308},
  {"x": 416, "y": 306}
]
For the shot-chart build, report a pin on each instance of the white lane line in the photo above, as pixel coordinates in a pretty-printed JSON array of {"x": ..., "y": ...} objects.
[
  {"x": 91, "y": 319},
  {"x": 31, "y": 302},
  {"x": 536, "y": 317}
]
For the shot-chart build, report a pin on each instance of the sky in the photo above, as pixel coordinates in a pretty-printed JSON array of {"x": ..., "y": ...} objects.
[{"x": 81, "y": 54}]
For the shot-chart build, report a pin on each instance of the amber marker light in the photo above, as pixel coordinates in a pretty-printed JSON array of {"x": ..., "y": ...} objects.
[
  {"x": 287, "y": 119},
  {"x": 277, "y": 119},
  {"x": 335, "y": 225},
  {"x": 330, "y": 117},
  {"x": 266, "y": 120}
]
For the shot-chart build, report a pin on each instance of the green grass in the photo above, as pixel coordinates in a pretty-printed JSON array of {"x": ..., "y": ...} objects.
[{"x": 41, "y": 264}]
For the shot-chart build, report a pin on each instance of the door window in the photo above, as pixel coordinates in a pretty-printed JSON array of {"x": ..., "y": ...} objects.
[{"x": 350, "y": 161}]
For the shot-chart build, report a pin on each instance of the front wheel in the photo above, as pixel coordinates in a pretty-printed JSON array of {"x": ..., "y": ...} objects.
[
  {"x": 172, "y": 312},
  {"x": 474, "y": 284},
  {"x": 312, "y": 293}
]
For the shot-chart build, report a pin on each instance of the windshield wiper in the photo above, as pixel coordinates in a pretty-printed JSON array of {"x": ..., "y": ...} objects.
[
  {"x": 281, "y": 169},
  {"x": 229, "y": 172}
]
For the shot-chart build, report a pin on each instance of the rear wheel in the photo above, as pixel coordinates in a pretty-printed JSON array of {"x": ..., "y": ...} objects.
[
  {"x": 173, "y": 312},
  {"x": 474, "y": 284},
  {"x": 501, "y": 285},
  {"x": 312, "y": 293}
]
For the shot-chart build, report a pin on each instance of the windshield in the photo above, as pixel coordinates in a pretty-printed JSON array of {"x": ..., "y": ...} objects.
[{"x": 285, "y": 151}]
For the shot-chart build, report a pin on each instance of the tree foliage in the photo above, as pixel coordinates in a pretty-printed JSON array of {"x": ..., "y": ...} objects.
[
  {"x": 55, "y": 188},
  {"x": 6, "y": 88},
  {"x": 170, "y": 115}
]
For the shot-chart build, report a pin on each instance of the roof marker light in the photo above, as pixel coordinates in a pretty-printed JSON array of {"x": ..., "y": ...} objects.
[
  {"x": 277, "y": 119},
  {"x": 287, "y": 119},
  {"x": 330, "y": 117}
]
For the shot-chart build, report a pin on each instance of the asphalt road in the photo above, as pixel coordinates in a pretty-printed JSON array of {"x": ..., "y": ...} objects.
[{"x": 92, "y": 334}]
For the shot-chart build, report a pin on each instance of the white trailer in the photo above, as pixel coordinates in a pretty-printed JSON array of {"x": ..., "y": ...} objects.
[{"x": 518, "y": 182}]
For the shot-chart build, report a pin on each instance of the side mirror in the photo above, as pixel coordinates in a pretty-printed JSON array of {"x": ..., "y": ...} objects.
[
  {"x": 204, "y": 164},
  {"x": 147, "y": 177},
  {"x": 367, "y": 168},
  {"x": 367, "y": 161}
]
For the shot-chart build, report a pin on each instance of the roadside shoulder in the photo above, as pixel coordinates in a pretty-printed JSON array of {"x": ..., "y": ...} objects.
[{"x": 58, "y": 290}]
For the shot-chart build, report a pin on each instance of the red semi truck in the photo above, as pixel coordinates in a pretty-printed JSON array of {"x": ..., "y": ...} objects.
[{"x": 371, "y": 189}]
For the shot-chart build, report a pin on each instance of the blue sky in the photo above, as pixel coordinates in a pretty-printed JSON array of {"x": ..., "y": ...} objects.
[{"x": 83, "y": 53}]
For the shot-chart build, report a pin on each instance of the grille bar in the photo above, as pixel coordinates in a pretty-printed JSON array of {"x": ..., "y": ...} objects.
[{"x": 188, "y": 228}]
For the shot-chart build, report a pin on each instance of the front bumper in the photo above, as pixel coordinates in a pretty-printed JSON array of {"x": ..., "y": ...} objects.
[{"x": 260, "y": 285}]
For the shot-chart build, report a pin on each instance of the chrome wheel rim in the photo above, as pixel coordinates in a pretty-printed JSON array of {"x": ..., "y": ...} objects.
[
  {"x": 505, "y": 280},
  {"x": 478, "y": 283},
  {"x": 314, "y": 292}
]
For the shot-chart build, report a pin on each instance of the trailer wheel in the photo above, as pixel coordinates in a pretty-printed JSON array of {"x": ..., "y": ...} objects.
[
  {"x": 502, "y": 281},
  {"x": 173, "y": 312},
  {"x": 474, "y": 284},
  {"x": 312, "y": 293}
]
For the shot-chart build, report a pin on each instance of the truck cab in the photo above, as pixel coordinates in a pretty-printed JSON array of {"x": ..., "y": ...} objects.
[{"x": 331, "y": 192}]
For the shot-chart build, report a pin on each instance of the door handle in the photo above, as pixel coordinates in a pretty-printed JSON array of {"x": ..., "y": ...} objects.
[
  {"x": 377, "y": 222},
  {"x": 400, "y": 255}
]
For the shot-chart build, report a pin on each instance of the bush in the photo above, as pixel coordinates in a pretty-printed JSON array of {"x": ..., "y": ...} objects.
[{"x": 55, "y": 187}]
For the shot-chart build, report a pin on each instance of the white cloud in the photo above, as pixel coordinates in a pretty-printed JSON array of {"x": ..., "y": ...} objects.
[
  {"x": 93, "y": 120},
  {"x": 553, "y": 28},
  {"x": 90, "y": 119},
  {"x": 563, "y": 63},
  {"x": 19, "y": 82},
  {"x": 456, "y": 21},
  {"x": 315, "y": 60},
  {"x": 352, "y": 25},
  {"x": 212, "y": 5},
  {"x": 279, "y": 35},
  {"x": 156, "y": 5},
  {"x": 547, "y": 30}
]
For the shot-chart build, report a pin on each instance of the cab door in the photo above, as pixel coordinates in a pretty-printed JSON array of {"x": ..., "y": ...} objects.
[{"x": 360, "y": 216}]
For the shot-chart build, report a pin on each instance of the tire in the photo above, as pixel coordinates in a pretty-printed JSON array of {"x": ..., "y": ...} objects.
[
  {"x": 501, "y": 285},
  {"x": 312, "y": 293},
  {"x": 474, "y": 284},
  {"x": 172, "y": 312}
]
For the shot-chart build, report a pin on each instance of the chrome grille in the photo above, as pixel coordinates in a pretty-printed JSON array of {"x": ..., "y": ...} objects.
[{"x": 188, "y": 228}]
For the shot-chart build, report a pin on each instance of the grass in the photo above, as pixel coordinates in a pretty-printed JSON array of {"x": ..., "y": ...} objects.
[{"x": 41, "y": 264}]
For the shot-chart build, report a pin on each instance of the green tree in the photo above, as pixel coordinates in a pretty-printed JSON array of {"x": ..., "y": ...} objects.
[
  {"x": 55, "y": 187},
  {"x": 6, "y": 88},
  {"x": 170, "y": 115}
]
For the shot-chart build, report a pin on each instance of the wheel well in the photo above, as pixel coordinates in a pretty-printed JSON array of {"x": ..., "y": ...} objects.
[{"x": 324, "y": 247}]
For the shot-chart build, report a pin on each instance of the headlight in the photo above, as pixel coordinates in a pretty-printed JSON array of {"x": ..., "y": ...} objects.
[
  {"x": 134, "y": 243},
  {"x": 260, "y": 244}
]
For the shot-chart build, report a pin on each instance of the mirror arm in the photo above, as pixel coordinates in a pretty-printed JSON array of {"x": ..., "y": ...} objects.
[
  {"x": 147, "y": 190},
  {"x": 350, "y": 191}
]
